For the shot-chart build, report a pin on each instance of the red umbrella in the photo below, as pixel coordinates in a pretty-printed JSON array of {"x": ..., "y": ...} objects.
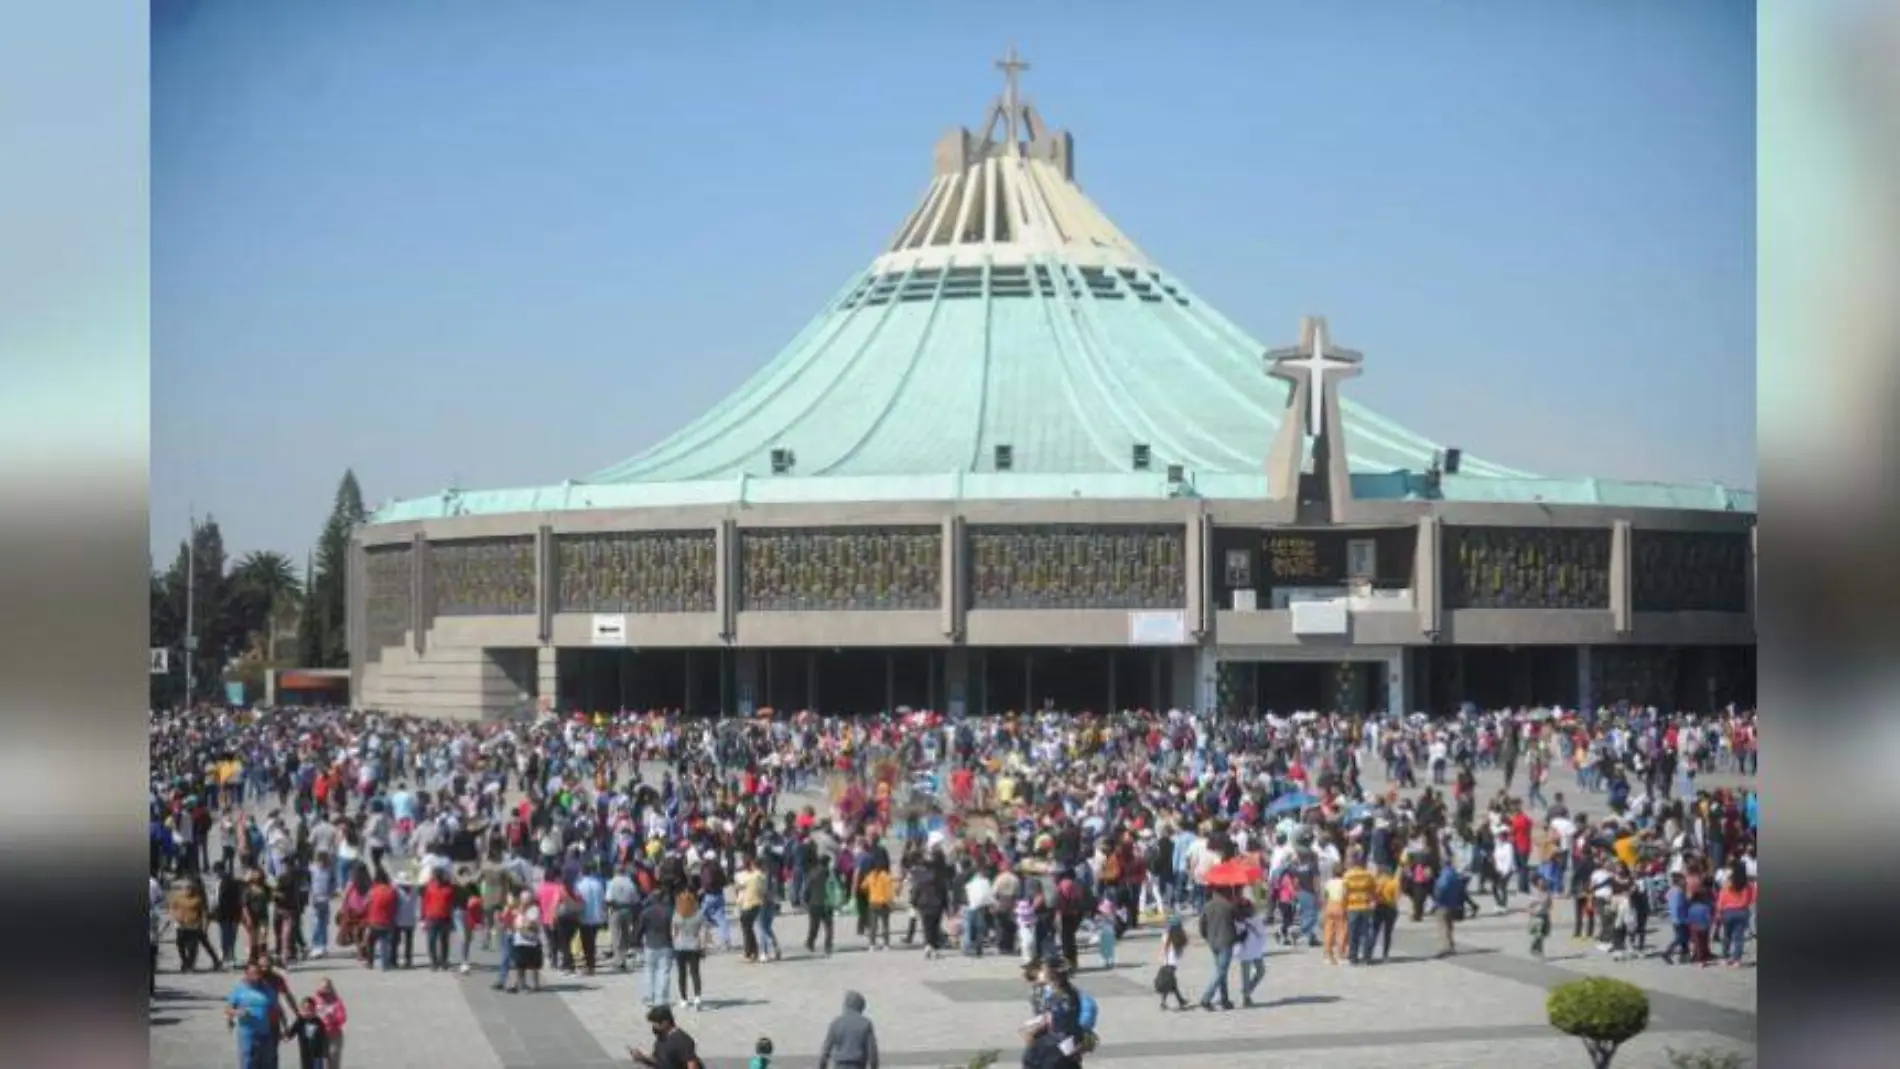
[{"x": 1236, "y": 873}]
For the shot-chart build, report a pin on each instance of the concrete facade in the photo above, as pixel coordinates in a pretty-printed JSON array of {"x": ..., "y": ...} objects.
[{"x": 474, "y": 665}]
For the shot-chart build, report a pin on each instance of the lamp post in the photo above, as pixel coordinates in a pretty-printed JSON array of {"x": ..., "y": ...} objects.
[{"x": 191, "y": 598}]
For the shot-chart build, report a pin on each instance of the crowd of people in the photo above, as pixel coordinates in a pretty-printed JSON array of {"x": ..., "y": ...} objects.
[{"x": 644, "y": 841}]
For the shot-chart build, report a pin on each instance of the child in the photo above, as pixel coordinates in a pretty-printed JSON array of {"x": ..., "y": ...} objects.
[
  {"x": 408, "y": 914},
  {"x": 1700, "y": 915},
  {"x": 761, "y": 1054},
  {"x": 1026, "y": 926},
  {"x": 1539, "y": 915},
  {"x": 1105, "y": 932},
  {"x": 471, "y": 920},
  {"x": 1166, "y": 982},
  {"x": 313, "y": 1043}
]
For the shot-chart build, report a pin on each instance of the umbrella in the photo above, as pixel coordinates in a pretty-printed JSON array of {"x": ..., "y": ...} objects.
[
  {"x": 1360, "y": 812},
  {"x": 1236, "y": 873},
  {"x": 1288, "y": 803}
]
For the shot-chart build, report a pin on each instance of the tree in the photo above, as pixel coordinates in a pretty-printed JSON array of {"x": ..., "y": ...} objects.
[
  {"x": 323, "y": 639},
  {"x": 1604, "y": 1013},
  {"x": 202, "y": 559},
  {"x": 262, "y": 587}
]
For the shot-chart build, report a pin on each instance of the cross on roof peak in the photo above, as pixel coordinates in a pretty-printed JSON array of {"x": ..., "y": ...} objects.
[
  {"x": 1012, "y": 67},
  {"x": 1311, "y": 361}
]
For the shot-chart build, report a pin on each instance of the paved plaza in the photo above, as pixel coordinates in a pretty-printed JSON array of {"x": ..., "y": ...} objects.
[{"x": 1481, "y": 1008}]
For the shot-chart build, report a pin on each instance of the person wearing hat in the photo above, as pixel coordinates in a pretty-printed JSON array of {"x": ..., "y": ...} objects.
[{"x": 672, "y": 1047}]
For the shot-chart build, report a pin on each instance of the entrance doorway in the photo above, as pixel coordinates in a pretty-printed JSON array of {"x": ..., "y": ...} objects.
[{"x": 1284, "y": 687}]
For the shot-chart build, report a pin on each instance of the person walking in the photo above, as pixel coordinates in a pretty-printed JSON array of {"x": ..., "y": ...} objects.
[
  {"x": 1219, "y": 928},
  {"x": 227, "y": 909},
  {"x": 851, "y": 1040},
  {"x": 691, "y": 933},
  {"x": 438, "y": 918},
  {"x": 190, "y": 914},
  {"x": 1734, "y": 908},
  {"x": 748, "y": 885},
  {"x": 251, "y": 1012},
  {"x": 1448, "y": 902},
  {"x": 672, "y": 1047},
  {"x": 623, "y": 897},
  {"x": 1361, "y": 889},
  {"x": 322, "y": 892},
  {"x": 408, "y": 915},
  {"x": 1174, "y": 942},
  {"x": 334, "y": 1015},
  {"x": 820, "y": 891},
  {"x": 591, "y": 891},
  {"x": 527, "y": 952},
  {"x": 654, "y": 930},
  {"x": 1385, "y": 910},
  {"x": 878, "y": 891},
  {"x": 379, "y": 913},
  {"x": 1252, "y": 954}
]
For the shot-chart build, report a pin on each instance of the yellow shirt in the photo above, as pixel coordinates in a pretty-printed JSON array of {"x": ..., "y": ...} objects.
[
  {"x": 1361, "y": 889},
  {"x": 1006, "y": 789},
  {"x": 878, "y": 889},
  {"x": 1389, "y": 890},
  {"x": 1626, "y": 850},
  {"x": 751, "y": 888}
]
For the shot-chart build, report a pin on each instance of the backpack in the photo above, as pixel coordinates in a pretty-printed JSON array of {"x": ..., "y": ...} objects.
[
  {"x": 1450, "y": 892},
  {"x": 1088, "y": 1012},
  {"x": 834, "y": 892}
]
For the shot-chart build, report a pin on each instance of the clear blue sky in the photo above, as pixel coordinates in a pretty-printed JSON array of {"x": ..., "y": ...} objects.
[{"x": 503, "y": 244}]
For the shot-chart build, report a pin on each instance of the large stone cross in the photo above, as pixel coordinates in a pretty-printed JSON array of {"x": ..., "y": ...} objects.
[
  {"x": 1011, "y": 67},
  {"x": 1310, "y": 362}
]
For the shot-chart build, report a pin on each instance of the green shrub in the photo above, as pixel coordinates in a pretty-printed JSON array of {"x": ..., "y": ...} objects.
[
  {"x": 1604, "y": 1013},
  {"x": 984, "y": 1060}
]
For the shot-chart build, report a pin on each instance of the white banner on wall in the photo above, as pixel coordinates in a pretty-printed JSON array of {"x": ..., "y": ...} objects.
[
  {"x": 610, "y": 629},
  {"x": 1157, "y": 629},
  {"x": 1320, "y": 618}
]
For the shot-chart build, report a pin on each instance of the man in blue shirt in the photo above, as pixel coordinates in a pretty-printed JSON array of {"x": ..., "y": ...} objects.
[
  {"x": 252, "y": 1012},
  {"x": 593, "y": 895}
]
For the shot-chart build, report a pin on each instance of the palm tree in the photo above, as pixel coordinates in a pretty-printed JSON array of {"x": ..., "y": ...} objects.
[{"x": 264, "y": 586}]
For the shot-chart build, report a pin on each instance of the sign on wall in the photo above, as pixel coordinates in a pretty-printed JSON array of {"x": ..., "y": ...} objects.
[
  {"x": 610, "y": 629},
  {"x": 1157, "y": 628},
  {"x": 161, "y": 661}
]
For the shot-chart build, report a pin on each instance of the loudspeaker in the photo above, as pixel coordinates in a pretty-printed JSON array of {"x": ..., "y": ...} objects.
[{"x": 1452, "y": 457}]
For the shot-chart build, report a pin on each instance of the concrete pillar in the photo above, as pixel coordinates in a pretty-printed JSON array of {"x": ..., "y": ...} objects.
[
  {"x": 1398, "y": 698},
  {"x": 1586, "y": 681},
  {"x": 811, "y": 679},
  {"x": 545, "y": 588},
  {"x": 356, "y": 597},
  {"x": 1621, "y": 613},
  {"x": 959, "y": 696},
  {"x": 420, "y": 608},
  {"x": 952, "y": 563},
  {"x": 1196, "y": 537},
  {"x": 1110, "y": 708},
  {"x": 748, "y": 670},
  {"x": 726, "y": 593},
  {"x": 547, "y": 677},
  {"x": 1427, "y": 591},
  {"x": 1206, "y": 678}
]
